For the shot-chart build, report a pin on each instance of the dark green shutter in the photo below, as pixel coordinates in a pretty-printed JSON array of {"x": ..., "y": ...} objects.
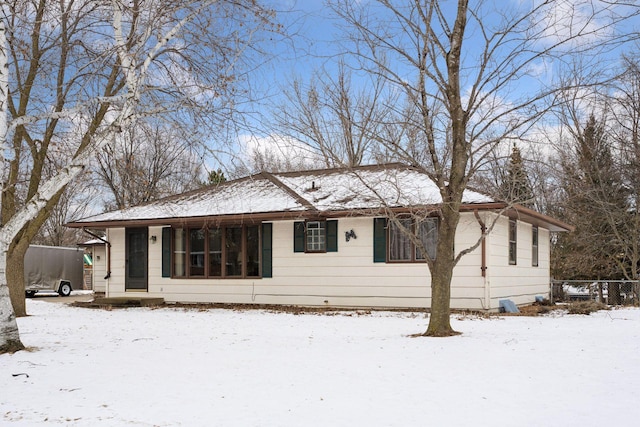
[
  {"x": 298, "y": 236},
  {"x": 332, "y": 236},
  {"x": 379, "y": 240},
  {"x": 166, "y": 252},
  {"x": 267, "y": 262}
]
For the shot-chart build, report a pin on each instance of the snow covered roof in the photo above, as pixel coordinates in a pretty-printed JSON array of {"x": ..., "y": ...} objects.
[
  {"x": 92, "y": 242},
  {"x": 244, "y": 196},
  {"x": 292, "y": 194},
  {"x": 368, "y": 187}
]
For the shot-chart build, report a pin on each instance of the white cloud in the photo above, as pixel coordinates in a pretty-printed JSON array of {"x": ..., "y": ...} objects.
[
  {"x": 279, "y": 151},
  {"x": 576, "y": 22}
]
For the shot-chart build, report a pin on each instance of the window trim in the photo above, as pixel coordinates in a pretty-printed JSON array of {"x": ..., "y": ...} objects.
[
  {"x": 512, "y": 236},
  {"x": 413, "y": 249},
  {"x": 186, "y": 231},
  {"x": 301, "y": 236},
  {"x": 309, "y": 233},
  {"x": 535, "y": 246}
]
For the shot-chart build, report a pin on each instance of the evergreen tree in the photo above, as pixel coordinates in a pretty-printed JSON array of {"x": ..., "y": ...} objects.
[
  {"x": 515, "y": 186},
  {"x": 593, "y": 192},
  {"x": 215, "y": 177}
]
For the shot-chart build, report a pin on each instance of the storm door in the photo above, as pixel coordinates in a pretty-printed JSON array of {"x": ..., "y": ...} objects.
[{"x": 136, "y": 259}]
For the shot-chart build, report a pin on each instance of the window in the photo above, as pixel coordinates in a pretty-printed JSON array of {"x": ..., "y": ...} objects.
[
  {"x": 399, "y": 241},
  {"x": 315, "y": 236},
  {"x": 402, "y": 249},
  {"x": 215, "y": 252},
  {"x": 253, "y": 251},
  {"x": 534, "y": 246},
  {"x": 428, "y": 232},
  {"x": 179, "y": 252},
  {"x": 196, "y": 252},
  {"x": 513, "y": 239},
  {"x": 231, "y": 251}
]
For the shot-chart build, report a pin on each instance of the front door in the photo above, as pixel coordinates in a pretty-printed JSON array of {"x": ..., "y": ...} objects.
[{"x": 136, "y": 242}]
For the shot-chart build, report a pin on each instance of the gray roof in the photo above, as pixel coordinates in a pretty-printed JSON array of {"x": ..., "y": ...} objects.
[{"x": 318, "y": 191}]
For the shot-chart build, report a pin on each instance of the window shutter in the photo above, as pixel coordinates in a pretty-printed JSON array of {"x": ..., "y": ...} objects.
[
  {"x": 379, "y": 240},
  {"x": 267, "y": 239},
  {"x": 332, "y": 236},
  {"x": 298, "y": 236},
  {"x": 166, "y": 252}
]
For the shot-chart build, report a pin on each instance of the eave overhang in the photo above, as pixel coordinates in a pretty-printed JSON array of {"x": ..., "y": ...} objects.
[{"x": 512, "y": 211}]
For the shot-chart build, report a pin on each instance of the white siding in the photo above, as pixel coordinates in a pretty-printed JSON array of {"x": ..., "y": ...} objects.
[
  {"x": 522, "y": 282},
  {"x": 99, "y": 271},
  {"x": 348, "y": 277}
]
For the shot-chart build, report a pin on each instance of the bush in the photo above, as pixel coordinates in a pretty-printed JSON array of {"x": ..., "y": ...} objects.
[{"x": 586, "y": 307}]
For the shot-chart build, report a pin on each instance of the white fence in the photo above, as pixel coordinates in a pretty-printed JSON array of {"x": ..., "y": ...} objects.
[{"x": 611, "y": 292}]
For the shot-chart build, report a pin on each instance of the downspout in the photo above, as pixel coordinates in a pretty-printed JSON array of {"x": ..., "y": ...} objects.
[
  {"x": 106, "y": 242},
  {"x": 483, "y": 230},
  {"x": 483, "y": 256}
]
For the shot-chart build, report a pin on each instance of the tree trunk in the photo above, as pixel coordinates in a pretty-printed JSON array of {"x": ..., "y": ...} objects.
[
  {"x": 615, "y": 298},
  {"x": 442, "y": 269},
  {"x": 15, "y": 277},
  {"x": 9, "y": 335},
  {"x": 439, "y": 317},
  {"x": 17, "y": 251},
  {"x": 441, "y": 274}
]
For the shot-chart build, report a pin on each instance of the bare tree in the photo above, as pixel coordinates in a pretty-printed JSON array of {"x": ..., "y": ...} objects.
[
  {"x": 598, "y": 177},
  {"x": 461, "y": 68},
  {"x": 625, "y": 131},
  {"x": 75, "y": 74},
  {"x": 334, "y": 117},
  {"x": 145, "y": 163},
  {"x": 75, "y": 202}
]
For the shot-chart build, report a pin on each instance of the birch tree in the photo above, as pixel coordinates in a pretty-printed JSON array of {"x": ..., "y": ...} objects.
[
  {"x": 76, "y": 74},
  {"x": 473, "y": 75},
  {"x": 9, "y": 335}
]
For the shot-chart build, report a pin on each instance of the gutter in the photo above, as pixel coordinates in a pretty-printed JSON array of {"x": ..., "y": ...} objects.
[{"x": 106, "y": 242}]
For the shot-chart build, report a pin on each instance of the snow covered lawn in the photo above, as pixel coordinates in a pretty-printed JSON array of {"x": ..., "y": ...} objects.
[{"x": 168, "y": 367}]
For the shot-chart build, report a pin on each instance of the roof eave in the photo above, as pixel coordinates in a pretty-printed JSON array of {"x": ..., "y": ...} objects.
[
  {"x": 516, "y": 211},
  {"x": 538, "y": 218}
]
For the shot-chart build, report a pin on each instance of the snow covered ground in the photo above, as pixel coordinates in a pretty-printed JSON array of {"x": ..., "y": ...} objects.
[{"x": 174, "y": 367}]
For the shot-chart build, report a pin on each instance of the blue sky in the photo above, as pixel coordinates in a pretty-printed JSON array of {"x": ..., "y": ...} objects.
[{"x": 315, "y": 43}]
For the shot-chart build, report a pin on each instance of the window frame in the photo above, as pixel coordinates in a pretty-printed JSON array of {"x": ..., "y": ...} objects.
[
  {"x": 512, "y": 236},
  {"x": 321, "y": 236},
  {"x": 222, "y": 230},
  {"x": 413, "y": 250},
  {"x": 301, "y": 236}
]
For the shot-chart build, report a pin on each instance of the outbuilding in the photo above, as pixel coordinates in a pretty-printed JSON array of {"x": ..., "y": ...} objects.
[{"x": 330, "y": 237}]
